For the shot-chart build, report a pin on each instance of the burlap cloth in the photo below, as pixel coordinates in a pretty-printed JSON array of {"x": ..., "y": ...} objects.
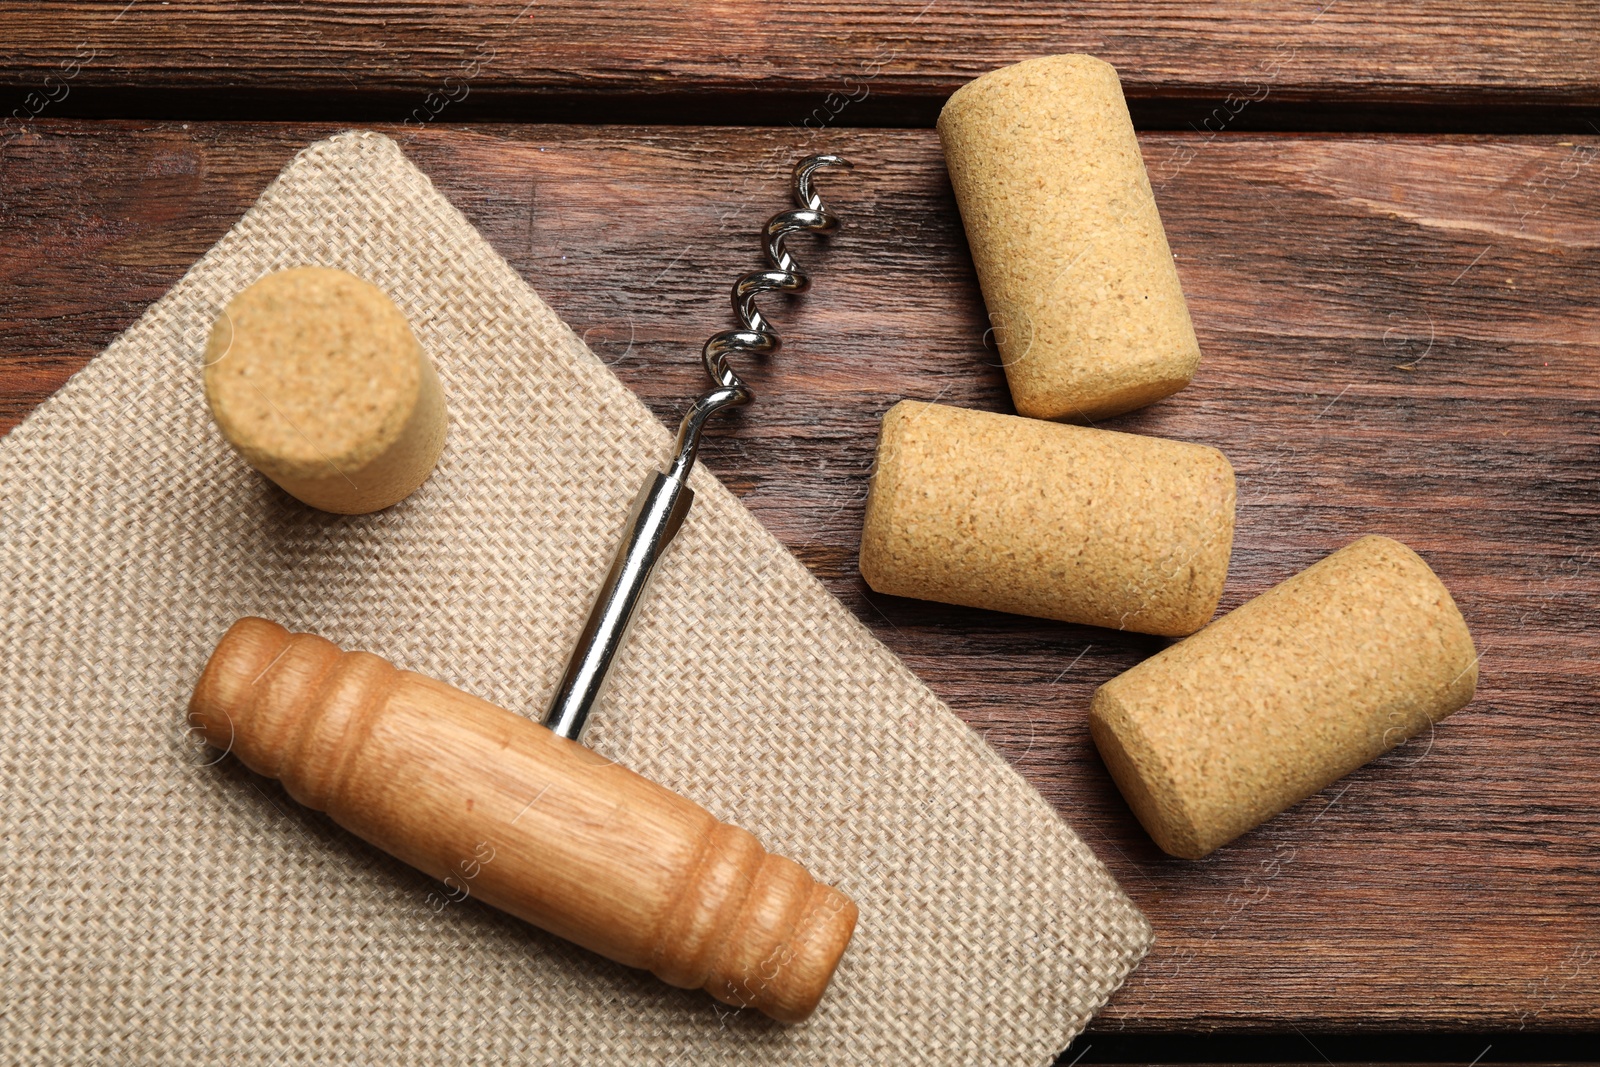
[{"x": 165, "y": 907}]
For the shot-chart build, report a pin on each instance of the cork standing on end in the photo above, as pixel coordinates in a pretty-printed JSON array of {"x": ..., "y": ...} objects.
[
  {"x": 1039, "y": 518},
  {"x": 1285, "y": 695},
  {"x": 1074, "y": 264},
  {"x": 315, "y": 377}
]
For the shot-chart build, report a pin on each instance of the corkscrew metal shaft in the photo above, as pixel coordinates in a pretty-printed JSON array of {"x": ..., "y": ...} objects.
[{"x": 660, "y": 508}]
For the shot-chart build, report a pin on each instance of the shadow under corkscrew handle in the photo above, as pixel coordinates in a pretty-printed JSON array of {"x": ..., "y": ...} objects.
[{"x": 503, "y": 809}]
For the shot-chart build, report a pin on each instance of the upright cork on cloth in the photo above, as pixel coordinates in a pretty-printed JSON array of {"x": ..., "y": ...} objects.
[
  {"x": 175, "y": 908},
  {"x": 314, "y": 376},
  {"x": 1284, "y": 695},
  {"x": 1082, "y": 292}
]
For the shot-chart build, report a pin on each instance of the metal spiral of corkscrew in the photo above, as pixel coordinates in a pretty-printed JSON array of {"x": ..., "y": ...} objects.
[
  {"x": 666, "y": 497},
  {"x": 756, "y": 336}
]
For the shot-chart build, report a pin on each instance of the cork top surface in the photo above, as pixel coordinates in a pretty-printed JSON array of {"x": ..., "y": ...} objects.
[{"x": 312, "y": 367}]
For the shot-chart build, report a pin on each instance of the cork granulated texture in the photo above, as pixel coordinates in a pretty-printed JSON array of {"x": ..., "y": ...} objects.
[
  {"x": 163, "y": 907},
  {"x": 1291, "y": 691},
  {"x": 1079, "y": 281},
  {"x": 316, "y": 378},
  {"x": 1048, "y": 519}
]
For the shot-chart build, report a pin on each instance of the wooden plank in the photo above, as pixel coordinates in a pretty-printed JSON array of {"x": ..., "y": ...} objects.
[
  {"x": 1300, "y": 1048},
  {"x": 1339, "y": 64},
  {"x": 1400, "y": 336}
]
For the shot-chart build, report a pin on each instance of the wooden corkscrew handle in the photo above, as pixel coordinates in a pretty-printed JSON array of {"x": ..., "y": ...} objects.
[{"x": 539, "y": 826}]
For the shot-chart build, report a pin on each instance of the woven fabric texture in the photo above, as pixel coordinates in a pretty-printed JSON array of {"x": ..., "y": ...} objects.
[{"x": 162, "y": 905}]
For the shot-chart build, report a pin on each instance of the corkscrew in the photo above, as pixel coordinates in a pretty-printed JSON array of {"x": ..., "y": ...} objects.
[
  {"x": 478, "y": 796},
  {"x": 664, "y": 501}
]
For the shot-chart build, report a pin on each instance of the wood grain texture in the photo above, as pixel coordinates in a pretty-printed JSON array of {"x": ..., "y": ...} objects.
[
  {"x": 443, "y": 780},
  {"x": 815, "y": 62},
  {"x": 1400, "y": 336}
]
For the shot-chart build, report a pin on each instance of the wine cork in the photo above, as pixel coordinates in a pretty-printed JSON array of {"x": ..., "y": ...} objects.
[
  {"x": 1292, "y": 691},
  {"x": 1048, "y": 519},
  {"x": 314, "y": 376},
  {"x": 1088, "y": 313}
]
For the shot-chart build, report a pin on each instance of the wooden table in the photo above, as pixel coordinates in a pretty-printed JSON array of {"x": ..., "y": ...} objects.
[{"x": 1388, "y": 227}]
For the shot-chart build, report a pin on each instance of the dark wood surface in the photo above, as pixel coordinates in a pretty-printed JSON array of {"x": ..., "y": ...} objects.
[
  {"x": 1401, "y": 336},
  {"x": 826, "y": 62}
]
